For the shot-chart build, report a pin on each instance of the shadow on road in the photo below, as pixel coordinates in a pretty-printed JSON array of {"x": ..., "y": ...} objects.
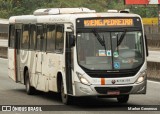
[{"x": 80, "y": 103}]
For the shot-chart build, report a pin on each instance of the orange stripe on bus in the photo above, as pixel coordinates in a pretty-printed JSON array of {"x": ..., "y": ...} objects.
[{"x": 102, "y": 81}]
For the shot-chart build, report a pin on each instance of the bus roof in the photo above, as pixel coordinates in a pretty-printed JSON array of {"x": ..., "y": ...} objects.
[{"x": 65, "y": 17}]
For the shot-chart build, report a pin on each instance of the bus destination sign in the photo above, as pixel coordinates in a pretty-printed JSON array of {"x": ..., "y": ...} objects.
[{"x": 108, "y": 22}]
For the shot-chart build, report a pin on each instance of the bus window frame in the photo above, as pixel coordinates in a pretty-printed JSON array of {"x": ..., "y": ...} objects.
[
  {"x": 22, "y": 37},
  {"x": 63, "y": 31},
  {"x": 32, "y": 49},
  {"x": 9, "y": 36},
  {"x": 38, "y": 24},
  {"x": 54, "y": 39},
  {"x": 45, "y": 38}
]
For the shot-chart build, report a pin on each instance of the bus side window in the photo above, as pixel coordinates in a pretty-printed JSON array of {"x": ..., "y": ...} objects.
[
  {"x": 32, "y": 36},
  {"x": 25, "y": 37},
  {"x": 51, "y": 38},
  {"x": 39, "y": 36},
  {"x": 12, "y": 36},
  {"x": 43, "y": 41},
  {"x": 59, "y": 37}
]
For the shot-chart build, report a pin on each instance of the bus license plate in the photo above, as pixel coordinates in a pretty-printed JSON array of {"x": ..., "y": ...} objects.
[{"x": 113, "y": 92}]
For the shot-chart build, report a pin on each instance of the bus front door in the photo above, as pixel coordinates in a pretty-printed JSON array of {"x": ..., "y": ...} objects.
[
  {"x": 17, "y": 55},
  {"x": 68, "y": 63}
]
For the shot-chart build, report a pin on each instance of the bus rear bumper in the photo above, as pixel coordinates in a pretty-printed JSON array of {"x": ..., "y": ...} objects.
[{"x": 106, "y": 90}]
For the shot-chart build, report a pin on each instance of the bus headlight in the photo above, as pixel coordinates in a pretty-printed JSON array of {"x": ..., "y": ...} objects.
[
  {"x": 142, "y": 77},
  {"x": 82, "y": 79}
]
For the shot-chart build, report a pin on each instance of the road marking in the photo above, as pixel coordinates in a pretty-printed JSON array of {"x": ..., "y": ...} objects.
[{"x": 153, "y": 82}]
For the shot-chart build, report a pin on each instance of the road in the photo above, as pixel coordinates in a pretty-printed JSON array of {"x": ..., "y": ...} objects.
[{"x": 12, "y": 93}]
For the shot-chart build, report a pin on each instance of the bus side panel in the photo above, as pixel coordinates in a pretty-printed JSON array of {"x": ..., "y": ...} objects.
[
  {"x": 49, "y": 69},
  {"x": 32, "y": 66},
  {"x": 11, "y": 64},
  {"x": 51, "y": 65},
  {"x": 41, "y": 79}
]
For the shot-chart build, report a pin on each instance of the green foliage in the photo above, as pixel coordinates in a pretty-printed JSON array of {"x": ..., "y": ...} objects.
[{"x": 24, "y": 7}]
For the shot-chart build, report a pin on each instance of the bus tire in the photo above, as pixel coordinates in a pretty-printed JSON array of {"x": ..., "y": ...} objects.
[
  {"x": 29, "y": 89},
  {"x": 66, "y": 99},
  {"x": 123, "y": 98}
]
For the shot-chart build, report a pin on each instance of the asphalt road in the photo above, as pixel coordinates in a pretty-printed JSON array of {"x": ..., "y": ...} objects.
[{"x": 12, "y": 93}]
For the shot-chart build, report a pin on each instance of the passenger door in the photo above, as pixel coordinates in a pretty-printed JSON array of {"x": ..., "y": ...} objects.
[{"x": 68, "y": 64}]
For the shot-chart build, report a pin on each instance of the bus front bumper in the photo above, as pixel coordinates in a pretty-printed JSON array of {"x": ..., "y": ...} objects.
[{"x": 109, "y": 90}]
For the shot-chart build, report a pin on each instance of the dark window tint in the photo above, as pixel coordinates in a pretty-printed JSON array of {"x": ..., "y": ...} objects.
[
  {"x": 43, "y": 40},
  {"x": 59, "y": 37},
  {"x": 51, "y": 33},
  {"x": 12, "y": 36},
  {"x": 25, "y": 37},
  {"x": 32, "y": 36},
  {"x": 39, "y": 36}
]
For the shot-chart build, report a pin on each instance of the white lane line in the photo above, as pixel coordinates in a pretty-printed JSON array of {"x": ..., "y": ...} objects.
[
  {"x": 153, "y": 82},
  {"x": 3, "y": 59}
]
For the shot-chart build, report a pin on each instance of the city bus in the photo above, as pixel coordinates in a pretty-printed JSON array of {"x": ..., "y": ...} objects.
[{"x": 78, "y": 52}]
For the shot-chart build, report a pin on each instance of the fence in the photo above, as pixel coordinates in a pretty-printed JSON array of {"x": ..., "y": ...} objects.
[
  {"x": 153, "y": 36},
  {"x": 153, "y": 70}
]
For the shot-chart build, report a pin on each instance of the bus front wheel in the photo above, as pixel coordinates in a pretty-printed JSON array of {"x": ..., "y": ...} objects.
[
  {"x": 123, "y": 98},
  {"x": 66, "y": 99},
  {"x": 29, "y": 89}
]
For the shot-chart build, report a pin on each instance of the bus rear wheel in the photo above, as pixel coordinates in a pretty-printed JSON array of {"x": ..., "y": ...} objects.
[
  {"x": 66, "y": 99},
  {"x": 123, "y": 98},
  {"x": 29, "y": 89}
]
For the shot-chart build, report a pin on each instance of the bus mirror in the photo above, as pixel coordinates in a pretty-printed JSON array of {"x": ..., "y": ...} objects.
[
  {"x": 147, "y": 54},
  {"x": 72, "y": 40}
]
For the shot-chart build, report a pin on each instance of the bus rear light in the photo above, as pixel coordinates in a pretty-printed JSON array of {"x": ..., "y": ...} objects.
[{"x": 82, "y": 79}]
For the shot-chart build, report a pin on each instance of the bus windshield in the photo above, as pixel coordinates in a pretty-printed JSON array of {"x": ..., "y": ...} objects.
[{"x": 122, "y": 49}]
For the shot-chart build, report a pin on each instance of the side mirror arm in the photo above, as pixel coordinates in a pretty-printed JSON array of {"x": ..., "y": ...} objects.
[{"x": 147, "y": 53}]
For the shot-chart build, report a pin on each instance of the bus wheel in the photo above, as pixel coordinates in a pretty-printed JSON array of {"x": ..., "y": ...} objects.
[
  {"x": 66, "y": 99},
  {"x": 29, "y": 89},
  {"x": 123, "y": 98}
]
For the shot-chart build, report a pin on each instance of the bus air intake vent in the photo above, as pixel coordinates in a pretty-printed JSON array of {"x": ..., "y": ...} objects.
[
  {"x": 56, "y": 11},
  {"x": 122, "y": 90}
]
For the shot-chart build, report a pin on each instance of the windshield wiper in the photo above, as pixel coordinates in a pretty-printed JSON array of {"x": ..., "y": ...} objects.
[
  {"x": 121, "y": 38},
  {"x": 101, "y": 41}
]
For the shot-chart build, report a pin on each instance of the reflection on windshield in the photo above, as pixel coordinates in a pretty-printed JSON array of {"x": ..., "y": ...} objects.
[{"x": 127, "y": 54}]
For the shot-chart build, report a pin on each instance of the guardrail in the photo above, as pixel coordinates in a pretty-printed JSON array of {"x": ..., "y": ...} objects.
[{"x": 3, "y": 43}]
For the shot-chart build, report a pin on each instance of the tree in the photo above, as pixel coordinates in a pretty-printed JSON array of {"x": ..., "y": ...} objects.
[{"x": 24, "y": 7}]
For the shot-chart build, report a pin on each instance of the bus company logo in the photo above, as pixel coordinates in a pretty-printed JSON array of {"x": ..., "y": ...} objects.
[
  {"x": 6, "y": 108},
  {"x": 113, "y": 81}
]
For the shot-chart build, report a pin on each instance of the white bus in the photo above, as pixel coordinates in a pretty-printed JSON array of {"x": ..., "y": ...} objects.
[{"x": 78, "y": 52}]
